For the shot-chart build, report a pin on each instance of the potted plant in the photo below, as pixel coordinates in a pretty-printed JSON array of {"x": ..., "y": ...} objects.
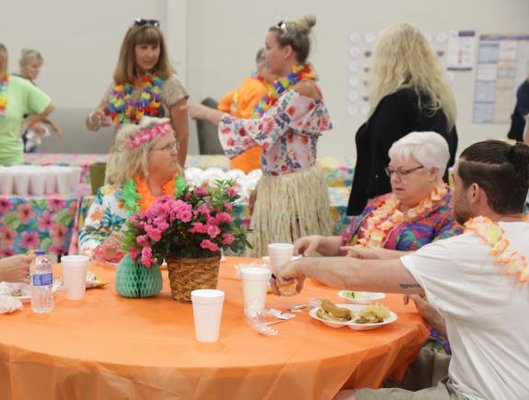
[{"x": 188, "y": 231}]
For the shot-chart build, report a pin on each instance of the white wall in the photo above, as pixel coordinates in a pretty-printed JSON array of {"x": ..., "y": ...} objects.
[{"x": 213, "y": 43}]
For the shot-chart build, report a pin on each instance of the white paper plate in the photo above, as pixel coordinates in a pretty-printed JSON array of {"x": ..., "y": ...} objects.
[
  {"x": 361, "y": 297},
  {"x": 8, "y": 288},
  {"x": 351, "y": 324}
]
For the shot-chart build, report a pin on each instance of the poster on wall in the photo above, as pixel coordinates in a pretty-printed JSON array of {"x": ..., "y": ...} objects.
[
  {"x": 460, "y": 53},
  {"x": 501, "y": 68}
]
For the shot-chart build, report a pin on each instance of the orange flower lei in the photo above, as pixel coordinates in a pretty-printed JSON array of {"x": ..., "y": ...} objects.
[
  {"x": 146, "y": 199},
  {"x": 387, "y": 216},
  {"x": 492, "y": 234}
]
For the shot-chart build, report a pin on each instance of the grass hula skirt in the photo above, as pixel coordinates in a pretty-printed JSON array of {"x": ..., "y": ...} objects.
[{"x": 288, "y": 207}]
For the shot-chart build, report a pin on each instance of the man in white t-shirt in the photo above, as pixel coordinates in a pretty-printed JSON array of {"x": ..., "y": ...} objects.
[{"x": 476, "y": 281}]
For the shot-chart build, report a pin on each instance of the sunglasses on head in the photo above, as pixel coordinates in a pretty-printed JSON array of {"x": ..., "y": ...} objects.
[
  {"x": 282, "y": 25},
  {"x": 141, "y": 22}
]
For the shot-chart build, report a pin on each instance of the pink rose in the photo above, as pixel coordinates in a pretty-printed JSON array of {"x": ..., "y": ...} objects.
[
  {"x": 146, "y": 256},
  {"x": 143, "y": 240},
  {"x": 185, "y": 216},
  {"x": 209, "y": 245},
  {"x": 228, "y": 238},
  {"x": 199, "y": 227},
  {"x": 154, "y": 233},
  {"x": 213, "y": 231},
  {"x": 224, "y": 217},
  {"x": 134, "y": 253}
]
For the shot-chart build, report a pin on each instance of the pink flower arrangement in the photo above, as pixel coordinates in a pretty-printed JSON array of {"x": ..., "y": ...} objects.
[{"x": 196, "y": 224}]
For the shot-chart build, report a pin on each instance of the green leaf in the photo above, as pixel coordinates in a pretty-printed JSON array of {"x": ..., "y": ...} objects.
[
  {"x": 180, "y": 186},
  {"x": 12, "y": 220}
]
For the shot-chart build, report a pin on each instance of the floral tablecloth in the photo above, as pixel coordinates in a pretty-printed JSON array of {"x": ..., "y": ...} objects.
[{"x": 29, "y": 223}]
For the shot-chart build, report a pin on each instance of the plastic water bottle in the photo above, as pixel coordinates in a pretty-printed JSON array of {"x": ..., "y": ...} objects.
[{"x": 41, "y": 284}]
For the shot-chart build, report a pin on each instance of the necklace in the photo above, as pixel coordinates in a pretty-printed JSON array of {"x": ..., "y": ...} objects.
[
  {"x": 492, "y": 234},
  {"x": 137, "y": 196},
  {"x": 4, "y": 84},
  {"x": 123, "y": 108},
  {"x": 299, "y": 73},
  {"x": 386, "y": 216}
]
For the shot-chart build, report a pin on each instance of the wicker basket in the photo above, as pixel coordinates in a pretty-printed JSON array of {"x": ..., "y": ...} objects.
[{"x": 188, "y": 274}]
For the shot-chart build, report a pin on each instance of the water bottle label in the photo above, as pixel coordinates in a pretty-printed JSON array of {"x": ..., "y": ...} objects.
[{"x": 42, "y": 279}]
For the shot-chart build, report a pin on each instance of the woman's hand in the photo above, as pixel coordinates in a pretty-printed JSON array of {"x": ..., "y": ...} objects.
[
  {"x": 56, "y": 128},
  {"x": 112, "y": 245},
  {"x": 98, "y": 119},
  {"x": 15, "y": 268},
  {"x": 200, "y": 111}
]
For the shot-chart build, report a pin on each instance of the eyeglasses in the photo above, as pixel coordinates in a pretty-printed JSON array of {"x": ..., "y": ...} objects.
[
  {"x": 169, "y": 147},
  {"x": 401, "y": 173},
  {"x": 282, "y": 25},
  {"x": 141, "y": 22}
]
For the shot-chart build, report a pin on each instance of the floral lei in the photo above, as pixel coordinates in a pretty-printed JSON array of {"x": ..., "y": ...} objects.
[
  {"x": 299, "y": 73},
  {"x": 4, "y": 84},
  {"x": 137, "y": 196},
  {"x": 492, "y": 234},
  {"x": 386, "y": 216},
  {"x": 124, "y": 109}
]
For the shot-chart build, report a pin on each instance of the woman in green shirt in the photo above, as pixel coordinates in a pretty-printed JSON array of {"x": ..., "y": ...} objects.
[{"x": 18, "y": 96}]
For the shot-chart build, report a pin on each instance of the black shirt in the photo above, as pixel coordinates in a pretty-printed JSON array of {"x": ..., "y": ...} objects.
[
  {"x": 520, "y": 110},
  {"x": 396, "y": 115}
]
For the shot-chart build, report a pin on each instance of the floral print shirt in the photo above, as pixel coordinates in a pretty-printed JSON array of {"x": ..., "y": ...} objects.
[
  {"x": 287, "y": 133},
  {"x": 437, "y": 222},
  {"x": 106, "y": 214}
]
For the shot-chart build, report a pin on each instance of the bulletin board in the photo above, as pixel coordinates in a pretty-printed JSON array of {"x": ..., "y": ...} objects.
[{"x": 501, "y": 68}]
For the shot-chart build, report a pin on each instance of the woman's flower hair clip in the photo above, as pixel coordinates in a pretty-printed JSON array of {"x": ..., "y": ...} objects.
[{"x": 148, "y": 135}]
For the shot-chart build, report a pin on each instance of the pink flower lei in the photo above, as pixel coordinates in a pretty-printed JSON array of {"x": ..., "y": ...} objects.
[
  {"x": 148, "y": 135},
  {"x": 492, "y": 234}
]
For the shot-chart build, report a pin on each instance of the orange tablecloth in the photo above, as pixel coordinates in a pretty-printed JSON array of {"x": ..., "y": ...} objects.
[{"x": 109, "y": 347}]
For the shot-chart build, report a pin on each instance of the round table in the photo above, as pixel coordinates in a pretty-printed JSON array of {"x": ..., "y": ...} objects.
[{"x": 110, "y": 347}]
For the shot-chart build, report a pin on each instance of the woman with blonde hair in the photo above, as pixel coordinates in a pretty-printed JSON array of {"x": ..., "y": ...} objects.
[
  {"x": 30, "y": 64},
  {"x": 145, "y": 84},
  {"x": 18, "y": 97},
  {"x": 292, "y": 199},
  {"x": 143, "y": 166},
  {"x": 410, "y": 93}
]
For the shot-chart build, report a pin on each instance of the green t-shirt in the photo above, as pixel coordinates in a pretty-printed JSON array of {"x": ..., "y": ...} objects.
[{"x": 22, "y": 98}]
